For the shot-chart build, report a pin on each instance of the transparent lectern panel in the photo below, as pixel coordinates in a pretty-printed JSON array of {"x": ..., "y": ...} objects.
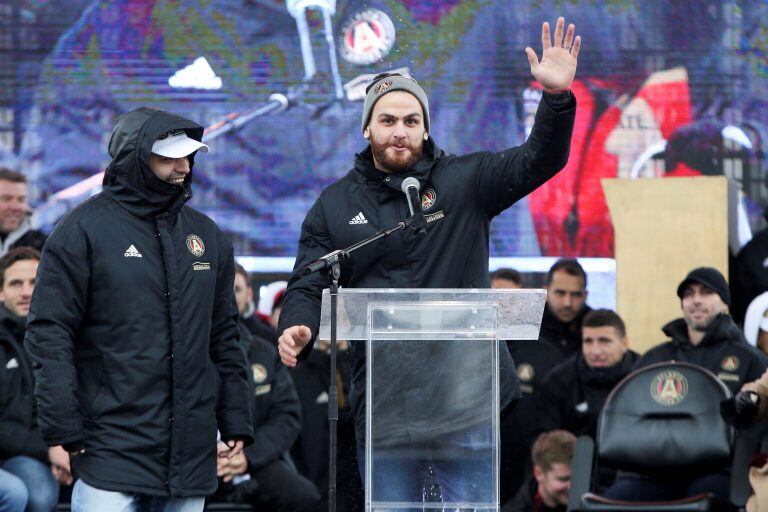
[
  {"x": 432, "y": 414},
  {"x": 518, "y": 311}
]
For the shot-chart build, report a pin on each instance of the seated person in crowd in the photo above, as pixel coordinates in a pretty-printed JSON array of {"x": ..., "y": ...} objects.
[
  {"x": 506, "y": 278},
  {"x": 706, "y": 336},
  {"x": 566, "y": 306},
  {"x": 311, "y": 451},
  {"x": 573, "y": 393},
  {"x": 249, "y": 317},
  {"x": 15, "y": 225},
  {"x": 518, "y": 425},
  {"x": 27, "y": 464},
  {"x": 749, "y": 408},
  {"x": 548, "y": 490},
  {"x": 263, "y": 475}
]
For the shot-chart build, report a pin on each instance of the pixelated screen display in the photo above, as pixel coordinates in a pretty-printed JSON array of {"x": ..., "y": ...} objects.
[{"x": 663, "y": 89}]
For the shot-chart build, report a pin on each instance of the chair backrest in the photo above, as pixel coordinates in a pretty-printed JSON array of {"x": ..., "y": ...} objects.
[{"x": 665, "y": 418}]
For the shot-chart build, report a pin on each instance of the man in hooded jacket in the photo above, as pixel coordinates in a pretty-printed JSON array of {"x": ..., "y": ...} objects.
[{"x": 132, "y": 324}]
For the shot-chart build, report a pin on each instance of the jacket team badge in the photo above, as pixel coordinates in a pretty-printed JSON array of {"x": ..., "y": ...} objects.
[
  {"x": 195, "y": 245},
  {"x": 428, "y": 199},
  {"x": 730, "y": 363}
]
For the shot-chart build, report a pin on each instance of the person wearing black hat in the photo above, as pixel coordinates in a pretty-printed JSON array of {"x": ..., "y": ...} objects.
[{"x": 707, "y": 336}]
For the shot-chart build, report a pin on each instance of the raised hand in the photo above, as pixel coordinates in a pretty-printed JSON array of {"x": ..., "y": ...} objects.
[{"x": 557, "y": 68}]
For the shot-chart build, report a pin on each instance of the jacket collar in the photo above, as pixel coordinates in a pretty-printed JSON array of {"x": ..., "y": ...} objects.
[
  {"x": 14, "y": 236},
  {"x": 128, "y": 178},
  {"x": 13, "y": 323},
  {"x": 721, "y": 329},
  {"x": 609, "y": 376}
]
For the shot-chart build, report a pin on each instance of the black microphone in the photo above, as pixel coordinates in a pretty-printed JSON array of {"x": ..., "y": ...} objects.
[{"x": 410, "y": 188}]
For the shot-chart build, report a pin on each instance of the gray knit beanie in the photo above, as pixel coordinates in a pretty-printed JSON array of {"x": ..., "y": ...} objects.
[{"x": 386, "y": 83}]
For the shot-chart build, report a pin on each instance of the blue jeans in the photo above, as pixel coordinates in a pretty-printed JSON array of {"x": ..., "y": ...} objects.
[
  {"x": 38, "y": 479},
  {"x": 86, "y": 498},
  {"x": 13, "y": 493},
  {"x": 461, "y": 463}
]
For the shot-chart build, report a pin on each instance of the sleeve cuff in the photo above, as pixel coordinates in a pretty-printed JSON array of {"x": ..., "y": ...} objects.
[
  {"x": 559, "y": 102},
  {"x": 74, "y": 446}
]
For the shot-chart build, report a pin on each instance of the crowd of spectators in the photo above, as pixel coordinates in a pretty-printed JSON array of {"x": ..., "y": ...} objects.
[{"x": 565, "y": 377}]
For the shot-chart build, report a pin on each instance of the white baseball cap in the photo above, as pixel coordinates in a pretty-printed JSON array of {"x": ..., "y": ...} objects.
[{"x": 177, "y": 145}]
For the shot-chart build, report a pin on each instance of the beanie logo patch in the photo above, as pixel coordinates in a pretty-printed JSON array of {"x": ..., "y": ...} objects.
[
  {"x": 382, "y": 86},
  {"x": 669, "y": 388},
  {"x": 367, "y": 37}
]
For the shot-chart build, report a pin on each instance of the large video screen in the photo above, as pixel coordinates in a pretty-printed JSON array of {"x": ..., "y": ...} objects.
[{"x": 663, "y": 89}]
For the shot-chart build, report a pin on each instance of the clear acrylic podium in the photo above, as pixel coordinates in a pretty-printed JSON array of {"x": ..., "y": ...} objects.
[{"x": 432, "y": 389}]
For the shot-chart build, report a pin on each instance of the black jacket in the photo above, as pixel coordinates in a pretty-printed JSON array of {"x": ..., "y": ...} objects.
[
  {"x": 723, "y": 351},
  {"x": 749, "y": 275},
  {"x": 23, "y": 236},
  {"x": 528, "y": 500},
  {"x": 564, "y": 337},
  {"x": 19, "y": 433},
  {"x": 533, "y": 360},
  {"x": 461, "y": 194},
  {"x": 258, "y": 328},
  {"x": 573, "y": 394},
  {"x": 129, "y": 329},
  {"x": 276, "y": 407}
]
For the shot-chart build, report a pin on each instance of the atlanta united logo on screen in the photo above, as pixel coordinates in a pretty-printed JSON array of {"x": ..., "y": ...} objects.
[
  {"x": 669, "y": 388},
  {"x": 366, "y": 38},
  {"x": 195, "y": 245}
]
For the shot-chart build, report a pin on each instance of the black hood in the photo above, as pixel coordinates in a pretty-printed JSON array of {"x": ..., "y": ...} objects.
[
  {"x": 16, "y": 325},
  {"x": 611, "y": 375},
  {"x": 128, "y": 177},
  {"x": 552, "y": 325},
  {"x": 722, "y": 328}
]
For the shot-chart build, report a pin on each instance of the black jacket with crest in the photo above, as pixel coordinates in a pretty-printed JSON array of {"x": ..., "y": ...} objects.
[
  {"x": 133, "y": 323},
  {"x": 460, "y": 197}
]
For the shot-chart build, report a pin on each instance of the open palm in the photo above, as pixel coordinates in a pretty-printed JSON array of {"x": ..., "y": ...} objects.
[{"x": 557, "y": 67}]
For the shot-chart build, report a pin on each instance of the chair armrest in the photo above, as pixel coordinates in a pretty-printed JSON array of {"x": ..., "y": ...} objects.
[{"x": 582, "y": 469}]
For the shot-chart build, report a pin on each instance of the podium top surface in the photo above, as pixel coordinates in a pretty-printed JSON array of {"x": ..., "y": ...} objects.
[{"x": 516, "y": 313}]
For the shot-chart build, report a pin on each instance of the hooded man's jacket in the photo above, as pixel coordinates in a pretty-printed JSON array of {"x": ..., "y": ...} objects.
[{"x": 133, "y": 323}]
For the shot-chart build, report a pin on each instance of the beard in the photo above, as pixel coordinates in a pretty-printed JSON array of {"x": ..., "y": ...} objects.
[
  {"x": 397, "y": 163},
  {"x": 700, "y": 325}
]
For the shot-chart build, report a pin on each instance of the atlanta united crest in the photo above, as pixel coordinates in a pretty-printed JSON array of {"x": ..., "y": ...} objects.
[
  {"x": 669, "y": 388},
  {"x": 367, "y": 38},
  {"x": 195, "y": 245},
  {"x": 730, "y": 363},
  {"x": 428, "y": 199},
  {"x": 259, "y": 373}
]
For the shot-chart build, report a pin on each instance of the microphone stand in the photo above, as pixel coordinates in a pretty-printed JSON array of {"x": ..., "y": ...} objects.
[{"x": 331, "y": 265}]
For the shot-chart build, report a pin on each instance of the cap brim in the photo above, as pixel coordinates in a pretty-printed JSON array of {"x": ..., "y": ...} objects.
[
  {"x": 178, "y": 146},
  {"x": 697, "y": 280}
]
